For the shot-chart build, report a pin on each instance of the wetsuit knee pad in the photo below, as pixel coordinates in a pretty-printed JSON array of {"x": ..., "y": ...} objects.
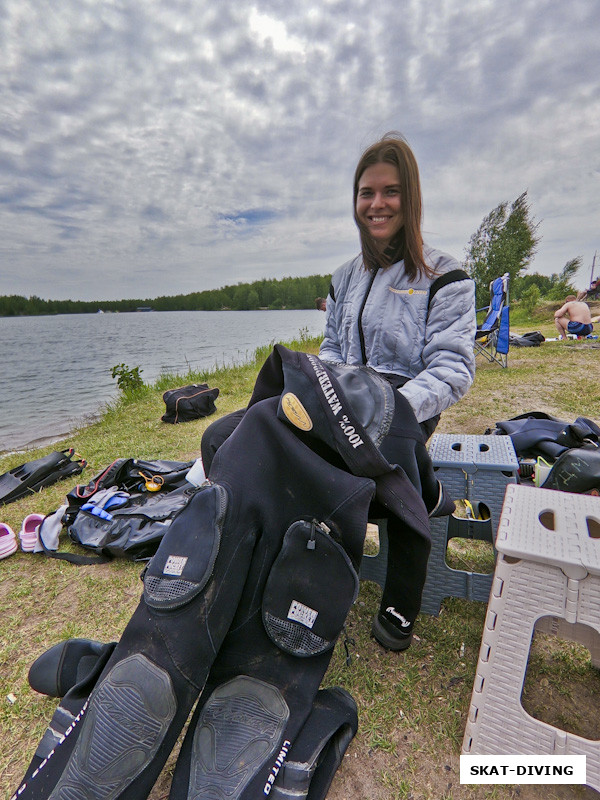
[
  {"x": 184, "y": 561},
  {"x": 309, "y": 591},
  {"x": 126, "y": 721},
  {"x": 240, "y": 726}
]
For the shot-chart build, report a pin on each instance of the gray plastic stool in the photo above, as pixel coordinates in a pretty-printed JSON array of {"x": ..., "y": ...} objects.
[
  {"x": 374, "y": 568},
  {"x": 474, "y": 468},
  {"x": 477, "y": 469}
]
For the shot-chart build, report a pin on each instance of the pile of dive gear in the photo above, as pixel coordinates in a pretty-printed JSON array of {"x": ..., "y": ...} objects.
[
  {"x": 228, "y": 623},
  {"x": 35, "y": 475},
  {"x": 123, "y": 512},
  {"x": 567, "y": 452}
]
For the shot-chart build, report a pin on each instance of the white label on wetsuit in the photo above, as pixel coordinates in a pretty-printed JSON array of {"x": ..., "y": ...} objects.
[
  {"x": 175, "y": 565},
  {"x": 302, "y": 614}
]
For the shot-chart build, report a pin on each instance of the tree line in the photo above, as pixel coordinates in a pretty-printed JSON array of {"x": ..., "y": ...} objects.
[
  {"x": 506, "y": 241},
  {"x": 289, "y": 293}
]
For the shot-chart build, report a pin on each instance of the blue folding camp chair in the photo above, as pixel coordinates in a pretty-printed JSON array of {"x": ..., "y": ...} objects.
[{"x": 491, "y": 337}]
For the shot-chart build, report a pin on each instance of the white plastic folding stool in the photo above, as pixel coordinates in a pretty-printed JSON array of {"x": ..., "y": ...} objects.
[{"x": 547, "y": 572}]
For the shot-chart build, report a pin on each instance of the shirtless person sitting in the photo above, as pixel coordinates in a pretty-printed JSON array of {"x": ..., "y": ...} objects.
[{"x": 573, "y": 317}]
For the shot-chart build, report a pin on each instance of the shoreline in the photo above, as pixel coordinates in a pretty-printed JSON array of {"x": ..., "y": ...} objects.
[
  {"x": 48, "y": 439},
  {"x": 59, "y": 374},
  {"x": 37, "y": 444}
]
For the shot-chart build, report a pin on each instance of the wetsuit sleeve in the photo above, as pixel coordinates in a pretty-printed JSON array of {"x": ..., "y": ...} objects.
[{"x": 448, "y": 353}]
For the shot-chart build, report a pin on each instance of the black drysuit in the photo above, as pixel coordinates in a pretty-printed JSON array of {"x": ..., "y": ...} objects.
[{"x": 243, "y": 601}]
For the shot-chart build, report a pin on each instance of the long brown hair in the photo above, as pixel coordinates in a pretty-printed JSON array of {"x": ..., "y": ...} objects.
[{"x": 393, "y": 149}]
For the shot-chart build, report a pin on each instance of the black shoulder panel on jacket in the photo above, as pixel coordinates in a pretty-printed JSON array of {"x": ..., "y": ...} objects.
[{"x": 448, "y": 277}]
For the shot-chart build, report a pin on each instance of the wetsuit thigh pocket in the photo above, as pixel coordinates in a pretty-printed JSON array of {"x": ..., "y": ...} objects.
[
  {"x": 184, "y": 561},
  {"x": 309, "y": 591}
]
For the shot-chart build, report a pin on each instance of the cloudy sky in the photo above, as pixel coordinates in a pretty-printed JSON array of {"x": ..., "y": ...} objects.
[{"x": 152, "y": 147}]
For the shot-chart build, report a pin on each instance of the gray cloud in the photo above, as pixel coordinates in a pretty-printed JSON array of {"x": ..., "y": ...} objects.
[{"x": 156, "y": 147}]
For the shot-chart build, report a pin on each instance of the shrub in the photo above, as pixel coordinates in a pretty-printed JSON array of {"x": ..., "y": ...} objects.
[{"x": 129, "y": 380}]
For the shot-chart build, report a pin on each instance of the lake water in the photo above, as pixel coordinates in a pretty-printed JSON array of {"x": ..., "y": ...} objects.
[{"x": 55, "y": 371}]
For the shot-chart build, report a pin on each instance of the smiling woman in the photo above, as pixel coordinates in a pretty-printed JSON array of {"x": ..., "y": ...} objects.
[{"x": 407, "y": 311}]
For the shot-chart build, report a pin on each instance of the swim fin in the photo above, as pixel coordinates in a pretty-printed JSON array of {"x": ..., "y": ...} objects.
[{"x": 35, "y": 475}]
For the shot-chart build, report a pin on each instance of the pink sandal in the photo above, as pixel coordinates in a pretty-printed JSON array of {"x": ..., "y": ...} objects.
[
  {"x": 29, "y": 531},
  {"x": 8, "y": 541}
]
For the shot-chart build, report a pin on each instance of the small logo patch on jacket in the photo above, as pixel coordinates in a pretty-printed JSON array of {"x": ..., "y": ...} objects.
[
  {"x": 295, "y": 412},
  {"x": 407, "y": 291}
]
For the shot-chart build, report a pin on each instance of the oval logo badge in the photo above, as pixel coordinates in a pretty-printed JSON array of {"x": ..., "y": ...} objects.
[{"x": 295, "y": 412}]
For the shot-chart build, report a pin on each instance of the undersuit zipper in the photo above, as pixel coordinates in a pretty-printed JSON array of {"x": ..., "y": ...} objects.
[{"x": 361, "y": 334}]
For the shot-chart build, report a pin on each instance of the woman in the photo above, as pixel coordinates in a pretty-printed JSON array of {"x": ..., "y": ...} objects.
[
  {"x": 401, "y": 307},
  {"x": 407, "y": 311}
]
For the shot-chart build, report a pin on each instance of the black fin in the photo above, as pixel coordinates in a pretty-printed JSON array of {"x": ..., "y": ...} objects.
[{"x": 35, "y": 475}]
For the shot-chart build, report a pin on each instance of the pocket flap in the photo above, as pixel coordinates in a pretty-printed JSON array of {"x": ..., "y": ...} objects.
[
  {"x": 309, "y": 591},
  {"x": 184, "y": 561}
]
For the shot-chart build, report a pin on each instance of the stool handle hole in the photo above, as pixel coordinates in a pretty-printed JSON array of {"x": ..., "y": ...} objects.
[
  {"x": 593, "y": 526},
  {"x": 484, "y": 448},
  {"x": 547, "y": 520},
  {"x": 457, "y": 446}
]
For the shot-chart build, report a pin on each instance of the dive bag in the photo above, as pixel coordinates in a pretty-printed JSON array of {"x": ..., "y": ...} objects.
[
  {"x": 123, "y": 512},
  {"x": 189, "y": 402}
]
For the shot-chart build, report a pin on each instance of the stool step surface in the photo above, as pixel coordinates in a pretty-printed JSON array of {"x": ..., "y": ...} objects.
[
  {"x": 471, "y": 452},
  {"x": 550, "y": 527},
  {"x": 475, "y": 468}
]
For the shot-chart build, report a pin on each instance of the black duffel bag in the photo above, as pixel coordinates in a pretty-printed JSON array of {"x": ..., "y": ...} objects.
[{"x": 189, "y": 402}]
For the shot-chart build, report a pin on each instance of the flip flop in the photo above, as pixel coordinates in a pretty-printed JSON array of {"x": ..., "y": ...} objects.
[
  {"x": 28, "y": 534},
  {"x": 8, "y": 541}
]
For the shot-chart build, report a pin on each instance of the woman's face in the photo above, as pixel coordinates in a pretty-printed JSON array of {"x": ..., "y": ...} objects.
[{"x": 378, "y": 204}]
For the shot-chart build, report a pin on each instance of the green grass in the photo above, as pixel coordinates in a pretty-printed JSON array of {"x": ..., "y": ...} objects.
[{"x": 412, "y": 706}]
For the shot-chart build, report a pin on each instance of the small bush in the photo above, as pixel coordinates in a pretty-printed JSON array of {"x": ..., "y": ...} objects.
[
  {"x": 129, "y": 379},
  {"x": 530, "y": 298}
]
